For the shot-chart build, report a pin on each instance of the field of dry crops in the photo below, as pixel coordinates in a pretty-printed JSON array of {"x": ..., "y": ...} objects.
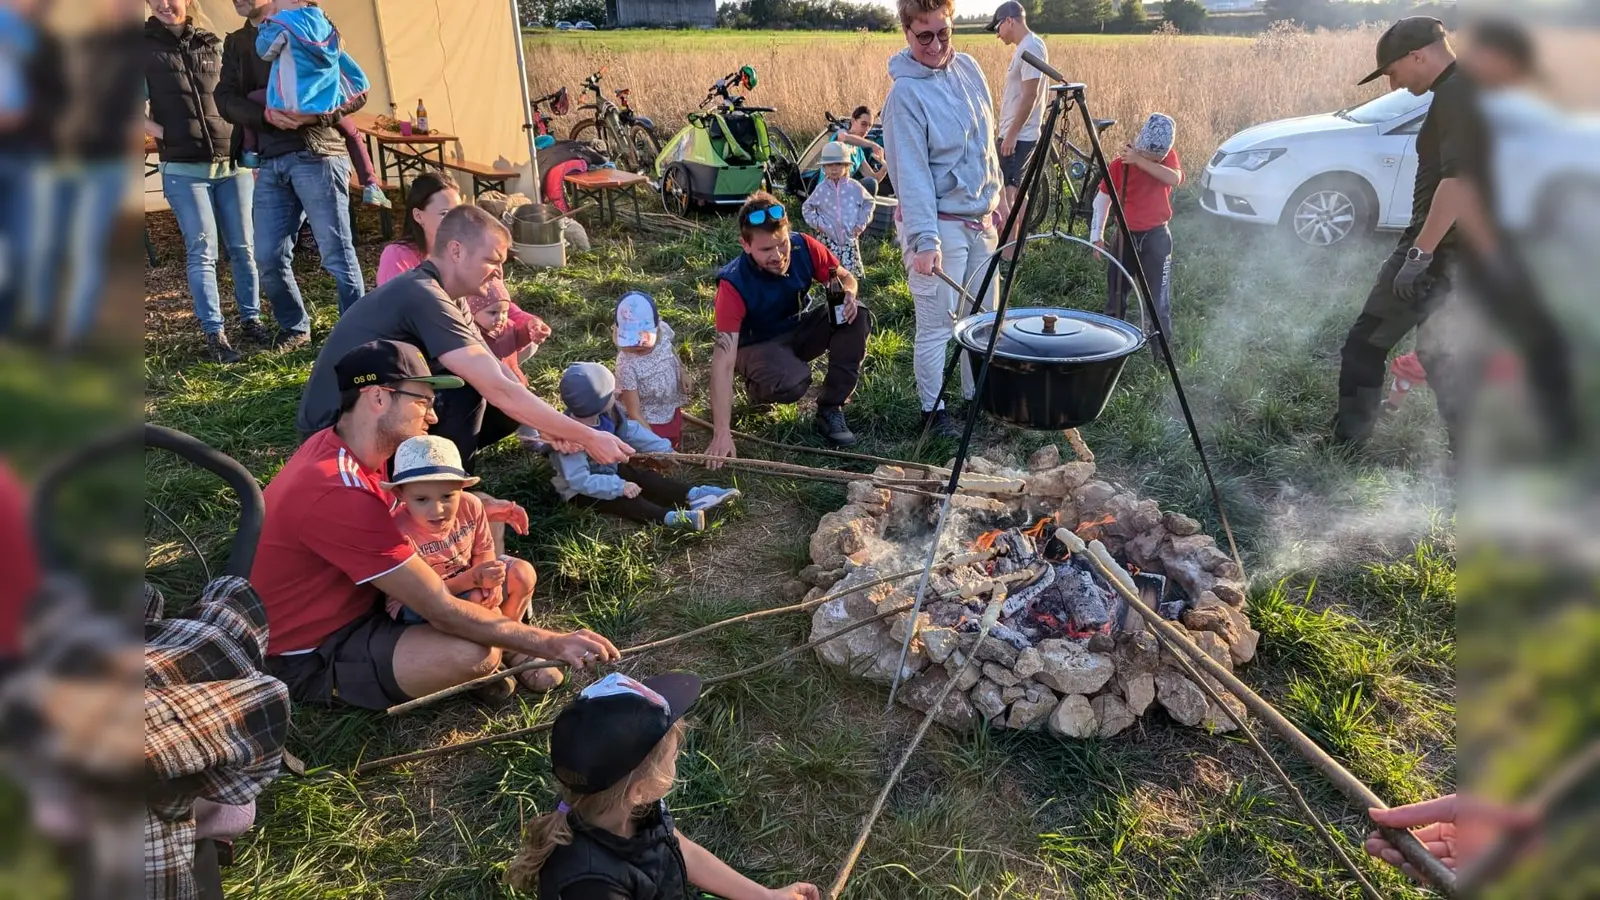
[{"x": 1212, "y": 86}]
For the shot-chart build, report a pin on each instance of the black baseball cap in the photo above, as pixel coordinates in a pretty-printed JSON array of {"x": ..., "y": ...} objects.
[
  {"x": 1405, "y": 37},
  {"x": 614, "y": 724},
  {"x": 387, "y": 362},
  {"x": 1010, "y": 9}
]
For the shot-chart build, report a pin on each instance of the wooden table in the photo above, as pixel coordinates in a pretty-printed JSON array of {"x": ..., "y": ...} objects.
[
  {"x": 603, "y": 185},
  {"x": 401, "y": 154}
]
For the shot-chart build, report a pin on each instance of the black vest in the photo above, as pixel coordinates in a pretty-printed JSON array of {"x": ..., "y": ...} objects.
[
  {"x": 182, "y": 71},
  {"x": 772, "y": 304},
  {"x": 647, "y": 866}
]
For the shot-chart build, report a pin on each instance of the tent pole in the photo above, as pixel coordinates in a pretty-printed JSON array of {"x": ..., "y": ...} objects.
[
  {"x": 383, "y": 53},
  {"x": 527, "y": 101}
]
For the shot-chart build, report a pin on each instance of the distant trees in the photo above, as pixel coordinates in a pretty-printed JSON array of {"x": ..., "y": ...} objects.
[
  {"x": 818, "y": 15},
  {"x": 1331, "y": 14},
  {"x": 1131, "y": 16},
  {"x": 549, "y": 12},
  {"x": 1187, "y": 16}
]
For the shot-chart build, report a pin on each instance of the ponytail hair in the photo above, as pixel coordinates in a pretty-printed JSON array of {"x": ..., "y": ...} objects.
[{"x": 653, "y": 780}]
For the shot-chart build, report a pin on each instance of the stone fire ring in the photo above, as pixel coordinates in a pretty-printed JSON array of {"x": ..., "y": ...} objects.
[{"x": 1074, "y": 687}]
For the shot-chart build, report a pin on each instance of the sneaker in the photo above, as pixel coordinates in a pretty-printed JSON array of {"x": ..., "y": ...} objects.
[
  {"x": 831, "y": 425},
  {"x": 372, "y": 195},
  {"x": 939, "y": 424},
  {"x": 250, "y": 159},
  {"x": 290, "y": 340},
  {"x": 221, "y": 350},
  {"x": 707, "y": 496},
  {"x": 253, "y": 332},
  {"x": 692, "y": 519}
]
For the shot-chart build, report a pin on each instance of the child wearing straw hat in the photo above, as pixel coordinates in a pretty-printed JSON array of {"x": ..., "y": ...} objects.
[
  {"x": 614, "y": 751},
  {"x": 451, "y": 532},
  {"x": 839, "y": 208}
]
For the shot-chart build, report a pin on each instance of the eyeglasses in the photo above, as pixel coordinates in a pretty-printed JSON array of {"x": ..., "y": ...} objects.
[
  {"x": 428, "y": 400},
  {"x": 927, "y": 37},
  {"x": 773, "y": 213}
]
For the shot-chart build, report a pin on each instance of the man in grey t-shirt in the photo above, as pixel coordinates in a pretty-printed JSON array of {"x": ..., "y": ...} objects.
[
  {"x": 1021, "y": 103},
  {"x": 423, "y": 307}
]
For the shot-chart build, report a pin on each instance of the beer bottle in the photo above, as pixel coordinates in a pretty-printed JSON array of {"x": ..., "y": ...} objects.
[
  {"x": 422, "y": 118},
  {"x": 836, "y": 295}
]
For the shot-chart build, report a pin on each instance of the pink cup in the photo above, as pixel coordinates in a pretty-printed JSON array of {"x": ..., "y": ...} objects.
[{"x": 405, "y": 128}]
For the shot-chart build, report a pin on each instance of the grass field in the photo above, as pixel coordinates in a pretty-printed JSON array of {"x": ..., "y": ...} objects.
[
  {"x": 1353, "y": 589},
  {"x": 1213, "y": 86}
]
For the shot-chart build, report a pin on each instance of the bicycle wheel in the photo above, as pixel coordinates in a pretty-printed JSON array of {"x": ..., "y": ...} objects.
[
  {"x": 581, "y": 129},
  {"x": 618, "y": 147},
  {"x": 645, "y": 147},
  {"x": 783, "y": 167}
]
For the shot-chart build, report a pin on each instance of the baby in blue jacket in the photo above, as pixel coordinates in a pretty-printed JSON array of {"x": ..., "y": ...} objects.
[{"x": 589, "y": 392}]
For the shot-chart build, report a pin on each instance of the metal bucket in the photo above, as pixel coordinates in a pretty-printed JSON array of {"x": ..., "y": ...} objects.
[{"x": 536, "y": 223}]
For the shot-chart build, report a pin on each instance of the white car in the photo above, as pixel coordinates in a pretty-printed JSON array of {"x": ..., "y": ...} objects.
[
  {"x": 1333, "y": 176},
  {"x": 564, "y": 26},
  {"x": 584, "y": 25}
]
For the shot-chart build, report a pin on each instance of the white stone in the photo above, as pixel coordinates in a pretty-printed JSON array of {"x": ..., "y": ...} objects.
[
  {"x": 1216, "y": 720},
  {"x": 898, "y": 624},
  {"x": 1180, "y": 698},
  {"x": 940, "y": 643},
  {"x": 1138, "y": 691},
  {"x": 841, "y": 533},
  {"x": 869, "y": 496},
  {"x": 1062, "y": 481},
  {"x": 919, "y": 693},
  {"x": 1000, "y": 674},
  {"x": 1074, "y": 717},
  {"x": 1046, "y": 457},
  {"x": 987, "y": 701},
  {"x": 1114, "y": 715},
  {"x": 1029, "y": 663},
  {"x": 1014, "y": 693},
  {"x": 1070, "y": 669},
  {"x": 1028, "y": 713}
]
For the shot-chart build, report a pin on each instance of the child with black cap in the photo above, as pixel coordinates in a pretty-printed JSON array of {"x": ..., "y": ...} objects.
[
  {"x": 589, "y": 392},
  {"x": 615, "y": 752}
]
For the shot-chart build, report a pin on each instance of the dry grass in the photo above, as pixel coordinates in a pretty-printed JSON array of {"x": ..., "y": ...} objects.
[{"x": 1213, "y": 86}]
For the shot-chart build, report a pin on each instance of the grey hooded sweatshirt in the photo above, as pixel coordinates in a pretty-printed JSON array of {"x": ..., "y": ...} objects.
[{"x": 939, "y": 140}]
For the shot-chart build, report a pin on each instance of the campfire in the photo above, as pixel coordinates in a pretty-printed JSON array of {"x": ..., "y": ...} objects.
[{"x": 1067, "y": 655}]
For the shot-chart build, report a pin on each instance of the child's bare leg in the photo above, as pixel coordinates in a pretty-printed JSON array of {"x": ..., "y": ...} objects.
[{"x": 521, "y": 579}]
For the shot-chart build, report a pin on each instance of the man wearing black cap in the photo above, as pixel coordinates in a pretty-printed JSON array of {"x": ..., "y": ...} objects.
[
  {"x": 1451, "y": 161},
  {"x": 330, "y": 551}
]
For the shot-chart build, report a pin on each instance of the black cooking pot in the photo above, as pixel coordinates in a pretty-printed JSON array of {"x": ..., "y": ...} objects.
[{"x": 1053, "y": 368}]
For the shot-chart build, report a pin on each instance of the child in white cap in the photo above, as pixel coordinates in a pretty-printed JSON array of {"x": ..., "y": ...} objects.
[
  {"x": 839, "y": 208},
  {"x": 1144, "y": 177},
  {"x": 651, "y": 380},
  {"x": 589, "y": 391},
  {"x": 450, "y": 530}
]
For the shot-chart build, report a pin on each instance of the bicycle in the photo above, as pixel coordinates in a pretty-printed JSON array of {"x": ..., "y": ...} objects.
[
  {"x": 629, "y": 137},
  {"x": 726, "y": 151},
  {"x": 1068, "y": 188},
  {"x": 558, "y": 103}
]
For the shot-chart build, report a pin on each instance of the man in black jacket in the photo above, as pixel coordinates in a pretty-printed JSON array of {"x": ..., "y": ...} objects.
[{"x": 304, "y": 170}]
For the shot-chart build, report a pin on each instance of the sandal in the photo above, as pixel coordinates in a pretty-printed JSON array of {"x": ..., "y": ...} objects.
[{"x": 539, "y": 681}]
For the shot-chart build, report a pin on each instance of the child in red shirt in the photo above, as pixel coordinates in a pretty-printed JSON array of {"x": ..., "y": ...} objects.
[
  {"x": 1144, "y": 176},
  {"x": 450, "y": 530}
]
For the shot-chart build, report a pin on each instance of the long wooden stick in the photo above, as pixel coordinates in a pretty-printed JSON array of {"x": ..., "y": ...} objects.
[
  {"x": 528, "y": 666},
  {"x": 1352, "y": 787},
  {"x": 815, "y": 451}
]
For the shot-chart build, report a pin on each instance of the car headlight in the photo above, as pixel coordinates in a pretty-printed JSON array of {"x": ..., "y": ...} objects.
[{"x": 1249, "y": 160}]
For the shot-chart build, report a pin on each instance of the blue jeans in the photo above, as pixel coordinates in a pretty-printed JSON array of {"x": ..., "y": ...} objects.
[
  {"x": 17, "y": 175},
  {"x": 319, "y": 187},
  {"x": 203, "y": 207},
  {"x": 76, "y": 207}
]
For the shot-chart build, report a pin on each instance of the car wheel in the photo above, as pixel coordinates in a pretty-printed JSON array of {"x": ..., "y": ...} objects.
[{"x": 1329, "y": 211}]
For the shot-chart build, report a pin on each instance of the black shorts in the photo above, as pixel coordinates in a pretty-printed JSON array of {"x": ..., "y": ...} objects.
[
  {"x": 1011, "y": 166},
  {"x": 355, "y": 665}
]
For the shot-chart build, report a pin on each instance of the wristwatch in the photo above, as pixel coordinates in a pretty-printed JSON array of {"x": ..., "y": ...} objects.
[{"x": 1417, "y": 254}]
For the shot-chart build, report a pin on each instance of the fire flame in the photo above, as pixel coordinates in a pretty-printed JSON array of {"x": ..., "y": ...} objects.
[
  {"x": 1037, "y": 531},
  {"x": 986, "y": 540},
  {"x": 1091, "y": 530}
]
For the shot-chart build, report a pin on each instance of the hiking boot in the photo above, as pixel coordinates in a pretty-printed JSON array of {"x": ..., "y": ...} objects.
[
  {"x": 692, "y": 519},
  {"x": 253, "y": 332},
  {"x": 290, "y": 340},
  {"x": 939, "y": 424},
  {"x": 831, "y": 425},
  {"x": 707, "y": 496},
  {"x": 220, "y": 349}
]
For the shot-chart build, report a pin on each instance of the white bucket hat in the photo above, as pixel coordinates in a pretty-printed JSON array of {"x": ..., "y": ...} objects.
[
  {"x": 428, "y": 458},
  {"x": 834, "y": 153}
]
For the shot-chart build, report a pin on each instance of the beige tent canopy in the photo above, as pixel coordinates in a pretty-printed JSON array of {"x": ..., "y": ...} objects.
[{"x": 460, "y": 57}]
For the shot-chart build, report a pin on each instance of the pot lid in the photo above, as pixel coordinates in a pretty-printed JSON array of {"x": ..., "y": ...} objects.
[{"x": 1051, "y": 335}]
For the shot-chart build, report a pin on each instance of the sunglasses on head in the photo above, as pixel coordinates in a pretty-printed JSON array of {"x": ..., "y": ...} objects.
[
  {"x": 773, "y": 213},
  {"x": 926, "y": 37}
]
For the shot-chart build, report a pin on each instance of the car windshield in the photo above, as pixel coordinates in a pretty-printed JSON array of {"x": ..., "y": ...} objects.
[{"x": 1386, "y": 108}]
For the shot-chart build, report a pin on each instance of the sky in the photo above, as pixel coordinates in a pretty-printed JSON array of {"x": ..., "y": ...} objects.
[{"x": 963, "y": 7}]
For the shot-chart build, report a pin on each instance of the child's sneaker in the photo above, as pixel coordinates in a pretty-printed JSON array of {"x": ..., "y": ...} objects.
[
  {"x": 692, "y": 519},
  {"x": 372, "y": 195},
  {"x": 707, "y": 496},
  {"x": 250, "y": 159}
]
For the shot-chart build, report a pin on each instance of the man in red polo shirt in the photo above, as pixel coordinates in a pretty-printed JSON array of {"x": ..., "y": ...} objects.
[{"x": 330, "y": 551}]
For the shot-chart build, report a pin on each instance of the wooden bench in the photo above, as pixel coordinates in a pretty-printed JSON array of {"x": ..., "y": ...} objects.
[
  {"x": 603, "y": 185},
  {"x": 385, "y": 216},
  {"x": 485, "y": 177}
]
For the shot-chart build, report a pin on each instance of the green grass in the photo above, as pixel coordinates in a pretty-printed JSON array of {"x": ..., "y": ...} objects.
[
  {"x": 1354, "y": 595},
  {"x": 729, "y": 39}
]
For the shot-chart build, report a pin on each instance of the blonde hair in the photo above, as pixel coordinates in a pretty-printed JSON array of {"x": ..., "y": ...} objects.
[
  {"x": 653, "y": 779},
  {"x": 911, "y": 9}
]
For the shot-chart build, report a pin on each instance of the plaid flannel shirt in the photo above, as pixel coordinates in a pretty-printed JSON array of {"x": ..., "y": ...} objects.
[{"x": 214, "y": 724}]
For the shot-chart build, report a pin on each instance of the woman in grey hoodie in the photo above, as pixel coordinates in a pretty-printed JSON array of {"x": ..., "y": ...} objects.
[{"x": 939, "y": 136}]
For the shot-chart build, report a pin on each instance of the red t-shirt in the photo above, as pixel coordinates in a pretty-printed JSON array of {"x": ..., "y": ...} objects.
[
  {"x": 730, "y": 306},
  {"x": 329, "y": 531},
  {"x": 1145, "y": 201},
  {"x": 19, "y": 572}
]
